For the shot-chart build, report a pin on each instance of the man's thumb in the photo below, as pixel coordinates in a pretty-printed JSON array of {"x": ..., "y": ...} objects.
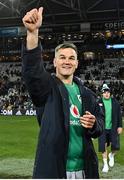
[
  {"x": 40, "y": 10},
  {"x": 87, "y": 113}
]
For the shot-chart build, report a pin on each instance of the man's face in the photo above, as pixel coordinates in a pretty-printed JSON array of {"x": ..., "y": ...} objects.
[
  {"x": 106, "y": 94},
  {"x": 65, "y": 62}
]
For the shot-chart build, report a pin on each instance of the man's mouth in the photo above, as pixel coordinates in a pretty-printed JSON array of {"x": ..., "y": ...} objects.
[{"x": 66, "y": 67}]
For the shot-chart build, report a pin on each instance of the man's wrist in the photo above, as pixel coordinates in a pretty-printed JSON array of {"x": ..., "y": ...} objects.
[{"x": 32, "y": 39}]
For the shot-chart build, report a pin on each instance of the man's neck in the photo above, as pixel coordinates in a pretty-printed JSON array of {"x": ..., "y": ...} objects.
[{"x": 68, "y": 80}]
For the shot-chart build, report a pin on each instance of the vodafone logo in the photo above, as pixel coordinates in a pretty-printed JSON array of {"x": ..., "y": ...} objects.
[{"x": 74, "y": 111}]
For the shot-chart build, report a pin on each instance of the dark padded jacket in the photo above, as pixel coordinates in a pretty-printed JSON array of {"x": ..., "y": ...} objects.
[{"x": 49, "y": 94}]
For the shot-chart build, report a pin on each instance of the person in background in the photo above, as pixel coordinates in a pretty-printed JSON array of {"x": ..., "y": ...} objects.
[
  {"x": 113, "y": 127},
  {"x": 68, "y": 112}
]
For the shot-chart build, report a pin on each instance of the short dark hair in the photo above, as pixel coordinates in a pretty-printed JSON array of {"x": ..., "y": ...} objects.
[{"x": 66, "y": 45}]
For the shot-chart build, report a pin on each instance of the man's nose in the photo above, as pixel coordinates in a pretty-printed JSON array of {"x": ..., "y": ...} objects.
[{"x": 67, "y": 60}]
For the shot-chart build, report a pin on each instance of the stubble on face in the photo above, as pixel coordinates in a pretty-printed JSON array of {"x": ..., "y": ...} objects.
[{"x": 65, "y": 63}]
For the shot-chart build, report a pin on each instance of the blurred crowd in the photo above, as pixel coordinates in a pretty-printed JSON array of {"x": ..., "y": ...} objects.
[{"x": 14, "y": 95}]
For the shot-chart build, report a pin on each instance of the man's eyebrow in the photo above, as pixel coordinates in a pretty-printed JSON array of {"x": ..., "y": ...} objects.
[{"x": 61, "y": 55}]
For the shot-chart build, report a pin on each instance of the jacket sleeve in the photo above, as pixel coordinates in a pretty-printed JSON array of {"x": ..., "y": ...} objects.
[
  {"x": 97, "y": 111},
  {"x": 98, "y": 127},
  {"x": 119, "y": 115},
  {"x": 36, "y": 78}
]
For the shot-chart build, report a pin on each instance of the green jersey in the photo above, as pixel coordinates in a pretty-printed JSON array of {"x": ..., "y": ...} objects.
[
  {"x": 75, "y": 150},
  {"x": 108, "y": 113}
]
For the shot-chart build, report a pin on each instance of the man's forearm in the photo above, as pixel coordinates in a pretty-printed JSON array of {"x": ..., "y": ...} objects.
[{"x": 32, "y": 39}]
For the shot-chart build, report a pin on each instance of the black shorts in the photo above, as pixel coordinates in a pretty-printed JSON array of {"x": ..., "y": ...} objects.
[{"x": 108, "y": 137}]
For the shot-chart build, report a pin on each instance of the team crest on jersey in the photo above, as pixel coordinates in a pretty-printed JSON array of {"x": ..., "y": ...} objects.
[
  {"x": 74, "y": 111},
  {"x": 79, "y": 98}
]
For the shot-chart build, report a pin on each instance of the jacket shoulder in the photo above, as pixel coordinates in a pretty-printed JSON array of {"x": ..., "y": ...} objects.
[
  {"x": 86, "y": 90},
  {"x": 89, "y": 91}
]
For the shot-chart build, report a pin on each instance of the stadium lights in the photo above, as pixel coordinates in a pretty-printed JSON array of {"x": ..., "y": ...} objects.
[{"x": 115, "y": 46}]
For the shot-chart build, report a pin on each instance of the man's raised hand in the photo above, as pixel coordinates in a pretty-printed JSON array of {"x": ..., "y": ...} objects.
[{"x": 33, "y": 19}]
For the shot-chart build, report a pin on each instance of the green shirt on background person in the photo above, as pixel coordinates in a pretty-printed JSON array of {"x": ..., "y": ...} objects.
[{"x": 108, "y": 113}]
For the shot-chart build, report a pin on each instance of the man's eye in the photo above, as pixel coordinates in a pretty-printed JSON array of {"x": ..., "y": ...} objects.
[
  {"x": 72, "y": 58},
  {"x": 62, "y": 57}
]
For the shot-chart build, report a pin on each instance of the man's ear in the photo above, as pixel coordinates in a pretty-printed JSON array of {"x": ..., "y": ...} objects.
[
  {"x": 77, "y": 64},
  {"x": 54, "y": 62}
]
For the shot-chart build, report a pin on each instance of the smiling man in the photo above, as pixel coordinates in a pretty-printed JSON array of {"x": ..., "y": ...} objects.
[
  {"x": 68, "y": 112},
  {"x": 65, "y": 62}
]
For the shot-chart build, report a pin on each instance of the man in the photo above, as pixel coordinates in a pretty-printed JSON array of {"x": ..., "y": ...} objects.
[
  {"x": 70, "y": 114},
  {"x": 113, "y": 127}
]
